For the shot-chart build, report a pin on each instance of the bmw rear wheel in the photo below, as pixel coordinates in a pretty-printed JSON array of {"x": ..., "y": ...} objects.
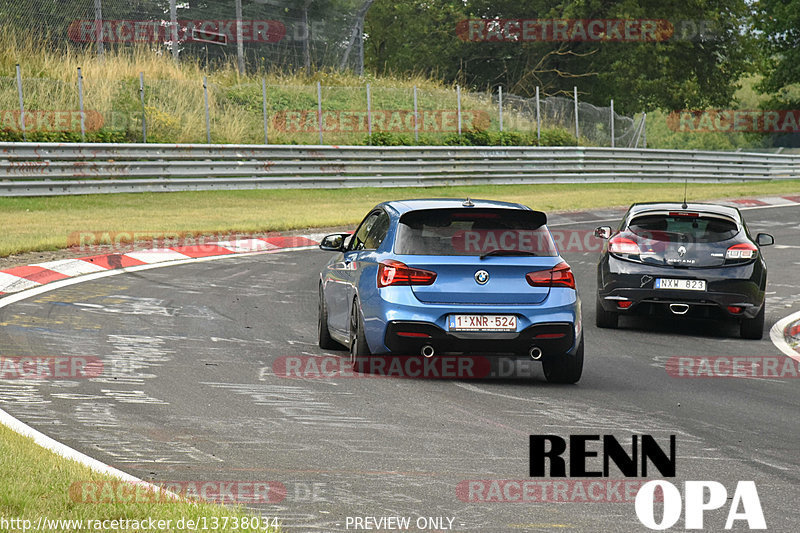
[
  {"x": 566, "y": 368},
  {"x": 326, "y": 342},
  {"x": 359, "y": 350}
]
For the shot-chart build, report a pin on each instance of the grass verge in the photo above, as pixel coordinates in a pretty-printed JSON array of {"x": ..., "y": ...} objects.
[
  {"x": 174, "y": 103},
  {"x": 39, "y": 224},
  {"x": 36, "y": 484}
]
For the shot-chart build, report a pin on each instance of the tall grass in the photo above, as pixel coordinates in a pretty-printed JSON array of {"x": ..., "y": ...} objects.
[
  {"x": 37, "y": 485},
  {"x": 174, "y": 98}
]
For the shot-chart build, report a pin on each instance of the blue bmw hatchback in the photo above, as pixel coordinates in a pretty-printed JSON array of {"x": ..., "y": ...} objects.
[{"x": 449, "y": 276}]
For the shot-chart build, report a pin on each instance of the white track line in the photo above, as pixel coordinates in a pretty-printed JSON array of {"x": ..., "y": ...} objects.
[
  {"x": 62, "y": 449},
  {"x": 777, "y": 338}
]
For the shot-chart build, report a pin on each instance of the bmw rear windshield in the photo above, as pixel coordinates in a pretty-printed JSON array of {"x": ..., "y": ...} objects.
[
  {"x": 681, "y": 226},
  {"x": 474, "y": 231}
]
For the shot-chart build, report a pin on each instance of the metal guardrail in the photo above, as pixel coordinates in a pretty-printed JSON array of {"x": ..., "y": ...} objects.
[{"x": 44, "y": 169}]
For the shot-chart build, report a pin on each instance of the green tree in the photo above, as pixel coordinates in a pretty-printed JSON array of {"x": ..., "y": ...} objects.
[
  {"x": 697, "y": 66},
  {"x": 415, "y": 36},
  {"x": 778, "y": 22}
]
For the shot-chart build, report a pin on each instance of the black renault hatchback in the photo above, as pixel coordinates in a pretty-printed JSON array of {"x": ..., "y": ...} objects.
[{"x": 695, "y": 260}]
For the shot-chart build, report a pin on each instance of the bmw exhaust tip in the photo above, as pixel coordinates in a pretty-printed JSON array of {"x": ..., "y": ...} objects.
[
  {"x": 427, "y": 351},
  {"x": 535, "y": 352},
  {"x": 679, "y": 309}
]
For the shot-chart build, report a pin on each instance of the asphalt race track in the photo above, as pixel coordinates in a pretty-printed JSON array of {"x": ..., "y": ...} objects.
[{"x": 188, "y": 392}]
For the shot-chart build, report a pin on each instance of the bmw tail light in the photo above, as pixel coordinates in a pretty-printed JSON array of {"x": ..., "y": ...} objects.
[
  {"x": 621, "y": 245},
  {"x": 559, "y": 276},
  {"x": 397, "y": 273},
  {"x": 742, "y": 251}
]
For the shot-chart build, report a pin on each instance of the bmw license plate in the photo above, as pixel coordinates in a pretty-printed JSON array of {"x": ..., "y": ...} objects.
[
  {"x": 482, "y": 323},
  {"x": 681, "y": 284}
]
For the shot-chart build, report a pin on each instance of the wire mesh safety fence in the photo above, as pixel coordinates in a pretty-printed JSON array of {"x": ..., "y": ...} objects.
[
  {"x": 262, "y": 34},
  {"x": 206, "y": 111}
]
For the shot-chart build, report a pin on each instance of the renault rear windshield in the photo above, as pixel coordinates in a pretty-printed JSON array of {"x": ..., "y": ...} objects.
[
  {"x": 474, "y": 231},
  {"x": 680, "y": 226}
]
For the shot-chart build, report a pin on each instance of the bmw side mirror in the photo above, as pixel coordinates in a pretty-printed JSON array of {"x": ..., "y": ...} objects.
[
  {"x": 334, "y": 242},
  {"x": 765, "y": 239},
  {"x": 602, "y": 232}
]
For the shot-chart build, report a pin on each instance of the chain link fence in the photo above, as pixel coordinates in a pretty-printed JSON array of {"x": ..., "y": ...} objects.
[
  {"x": 201, "y": 111},
  {"x": 260, "y": 35},
  {"x": 594, "y": 123}
]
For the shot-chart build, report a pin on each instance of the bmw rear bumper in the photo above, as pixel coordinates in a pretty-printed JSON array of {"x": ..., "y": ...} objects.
[
  {"x": 553, "y": 325},
  {"x": 407, "y": 337}
]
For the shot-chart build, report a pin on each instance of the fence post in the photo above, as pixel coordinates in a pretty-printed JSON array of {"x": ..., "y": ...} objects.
[
  {"x": 239, "y": 37},
  {"x": 173, "y": 20},
  {"x": 458, "y": 103},
  {"x": 80, "y": 105},
  {"x": 208, "y": 118},
  {"x": 21, "y": 104},
  {"x": 538, "y": 120},
  {"x": 144, "y": 115},
  {"x": 264, "y": 107},
  {"x": 416, "y": 117},
  {"x": 369, "y": 115},
  {"x": 98, "y": 26},
  {"x": 612, "y": 123},
  {"x": 577, "y": 131},
  {"x": 644, "y": 130},
  {"x": 500, "y": 105},
  {"x": 637, "y": 131},
  {"x": 319, "y": 109}
]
